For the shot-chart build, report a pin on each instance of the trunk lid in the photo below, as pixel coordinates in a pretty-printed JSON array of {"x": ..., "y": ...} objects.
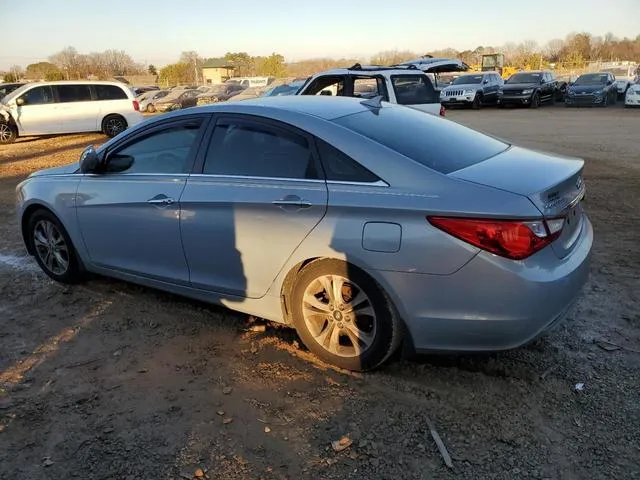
[{"x": 553, "y": 184}]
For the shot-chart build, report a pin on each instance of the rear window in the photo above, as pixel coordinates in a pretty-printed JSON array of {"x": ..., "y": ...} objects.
[
  {"x": 414, "y": 89},
  {"x": 110, "y": 92},
  {"x": 436, "y": 143}
]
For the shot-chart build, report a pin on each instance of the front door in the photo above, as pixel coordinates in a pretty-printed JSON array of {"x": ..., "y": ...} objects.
[
  {"x": 260, "y": 193},
  {"x": 35, "y": 112},
  {"x": 129, "y": 216}
]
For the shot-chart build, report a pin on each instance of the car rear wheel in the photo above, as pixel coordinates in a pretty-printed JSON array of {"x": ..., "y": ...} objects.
[
  {"x": 343, "y": 316},
  {"x": 8, "y": 133},
  {"x": 151, "y": 108},
  {"x": 112, "y": 125},
  {"x": 52, "y": 247},
  {"x": 535, "y": 100}
]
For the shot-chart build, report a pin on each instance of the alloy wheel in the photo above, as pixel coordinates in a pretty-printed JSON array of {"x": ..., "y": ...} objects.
[
  {"x": 114, "y": 126},
  {"x": 51, "y": 247},
  {"x": 339, "y": 315},
  {"x": 5, "y": 133}
]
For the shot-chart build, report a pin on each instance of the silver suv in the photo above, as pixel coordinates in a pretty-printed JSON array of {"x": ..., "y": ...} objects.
[{"x": 473, "y": 89}]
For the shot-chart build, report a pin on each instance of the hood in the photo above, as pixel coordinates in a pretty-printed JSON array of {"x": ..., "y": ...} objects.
[
  {"x": 62, "y": 170},
  {"x": 519, "y": 86},
  {"x": 429, "y": 64},
  {"x": 586, "y": 88},
  {"x": 463, "y": 86}
]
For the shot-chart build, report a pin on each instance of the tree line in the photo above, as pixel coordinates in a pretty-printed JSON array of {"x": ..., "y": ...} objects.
[{"x": 575, "y": 50}]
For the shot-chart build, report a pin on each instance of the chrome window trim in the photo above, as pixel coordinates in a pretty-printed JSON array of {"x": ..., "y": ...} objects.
[{"x": 378, "y": 183}]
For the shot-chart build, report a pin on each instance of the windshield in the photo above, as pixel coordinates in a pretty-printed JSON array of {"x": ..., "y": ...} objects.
[
  {"x": 525, "y": 78},
  {"x": 467, "y": 80},
  {"x": 592, "y": 79},
  {"x": 435, "y": 143}
]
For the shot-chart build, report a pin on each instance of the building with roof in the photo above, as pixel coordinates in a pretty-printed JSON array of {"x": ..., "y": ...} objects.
[{"x": 217, "y": 70}]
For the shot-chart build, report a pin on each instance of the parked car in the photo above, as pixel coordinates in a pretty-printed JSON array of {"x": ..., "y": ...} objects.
[
  {"x": 149, "y": 99},
  {"x": 177, "y": 99},
  {"x": 219, "y": 93},
  {"x": 247, "y": 93},
  {"x": 140, "y": 90},
  {"x": 7, "y": 88},
  {"x": 473, "y": 90},
  {"x": 632, "y": 98},
  {"x": 362, "y": 225},
  {"x": 592, "y": 89},
  {"x": 45, "y": 108},
  {"x": 531, "y": 89},
  {"x": 284, "y": 89},
  {"x": 404, "y": 85}
]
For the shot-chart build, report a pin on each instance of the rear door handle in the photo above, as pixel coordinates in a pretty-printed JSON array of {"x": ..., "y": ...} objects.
[
  {"x": 161, "y": 200},
  {"x": 292, "y": 201}
]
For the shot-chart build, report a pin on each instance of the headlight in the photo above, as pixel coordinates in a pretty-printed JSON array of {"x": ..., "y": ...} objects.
[
  {"x": 468, "y": 92},
  {"x": 527, "y": 91},
  {"x": 598, "y": 92},
  {"x": 571, "y": 93}
]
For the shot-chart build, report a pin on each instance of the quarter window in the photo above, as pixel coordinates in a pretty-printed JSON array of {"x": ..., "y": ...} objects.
[
  {"x": 110, "y": 92},
  {"x": 253, "y": 149},
  {"x": 339, "y": 167},
  {"x": 74, "y": 93},
  {"x": 38, "y": 96},
  {"x": 166, "y": 151}
]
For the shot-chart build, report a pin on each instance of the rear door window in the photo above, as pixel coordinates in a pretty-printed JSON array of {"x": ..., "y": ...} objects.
[
  {"x": 414, "y": 89},
  {"x": 110, "y": 92},
  {"x": 254, "y": 149},
  {"x": 441, "y": 145},
  {"x": 74, "y": 93}
]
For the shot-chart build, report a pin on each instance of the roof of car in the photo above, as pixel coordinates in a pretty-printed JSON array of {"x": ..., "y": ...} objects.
[
  {"x": 327, "y": 108},
  {"x": 371, "y": 69}
]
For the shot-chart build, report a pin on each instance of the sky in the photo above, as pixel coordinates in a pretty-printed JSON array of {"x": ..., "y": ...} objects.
[{"x": 153, "y": 33}]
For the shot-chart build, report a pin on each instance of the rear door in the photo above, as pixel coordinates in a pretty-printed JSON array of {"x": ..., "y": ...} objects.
[
  {"x": 259, "y": 194},
  {"x": 38, "y": 114},
  {"x": 78, "y": 110}
]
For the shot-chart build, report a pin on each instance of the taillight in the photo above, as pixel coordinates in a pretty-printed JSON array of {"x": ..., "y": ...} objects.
[
  {"x": 442, "y": 111},
  {"x": 136, "y": 106},
  {"x": 508, "y": 238}
]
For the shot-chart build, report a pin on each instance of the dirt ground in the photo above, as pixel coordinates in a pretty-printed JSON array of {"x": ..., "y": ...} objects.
[{"x": 112, "y": 381}]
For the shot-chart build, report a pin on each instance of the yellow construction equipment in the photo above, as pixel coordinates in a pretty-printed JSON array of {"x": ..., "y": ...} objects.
[{"x": 494, "y": 62}]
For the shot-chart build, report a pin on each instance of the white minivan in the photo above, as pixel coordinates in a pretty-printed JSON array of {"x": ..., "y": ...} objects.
[{"x": 46, "y": 108}]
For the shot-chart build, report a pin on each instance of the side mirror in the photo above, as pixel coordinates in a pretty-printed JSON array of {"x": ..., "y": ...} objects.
[
  {"x": 89, "y": 161},
  {"x": 541, "y": 81},
  {"x": 20, "y": 101},
  {"x": 609, "y": 82},
  {"x": 485, "y": 81}
]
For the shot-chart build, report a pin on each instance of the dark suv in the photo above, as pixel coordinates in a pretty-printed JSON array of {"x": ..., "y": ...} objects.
[{"x": 531, "y": 89}]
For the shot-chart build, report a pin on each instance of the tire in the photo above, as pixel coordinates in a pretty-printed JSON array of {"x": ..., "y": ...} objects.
[
  {"x": 151, "y": 108},
  {"x": 45, "y": 232},
  {"x": 8, "y": 133},
  {"x": 605, "y": 101},
  {"x": 535, "y": 100},
  {"x": 377, "y": 330},
  {"x": 112, "y": 125},
  {"x": 477, "y": 102}
]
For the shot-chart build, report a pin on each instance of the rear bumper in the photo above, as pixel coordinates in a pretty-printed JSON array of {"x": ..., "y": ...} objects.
[{"x": 491, "y": 303}]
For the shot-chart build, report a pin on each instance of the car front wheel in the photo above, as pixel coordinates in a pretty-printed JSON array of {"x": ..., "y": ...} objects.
[
  {"x": 52, "y": 247},
  {"x": 535, "y": 100},
  {"x": 112, "y": 125},
  {"x": 343, "y": 316},
  {"x": 8, "y": 133}
]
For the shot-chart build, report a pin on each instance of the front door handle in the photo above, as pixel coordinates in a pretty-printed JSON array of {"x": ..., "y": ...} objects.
[
  {"x": 292, "y": 201},
  {"x": 161, "y": 200}
]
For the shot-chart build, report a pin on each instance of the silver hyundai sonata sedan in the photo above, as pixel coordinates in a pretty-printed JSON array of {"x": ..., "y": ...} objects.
[{"x": 361, "y": 224}]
